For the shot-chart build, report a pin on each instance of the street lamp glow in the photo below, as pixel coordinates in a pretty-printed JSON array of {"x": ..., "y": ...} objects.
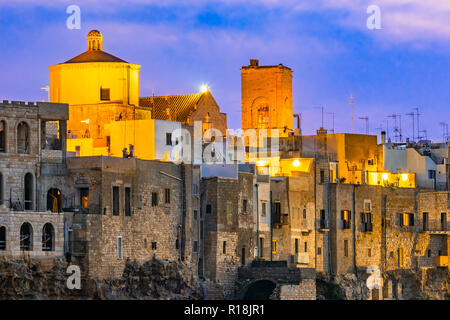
[
  {"x": 385, "y": 176},
  {"x": 261, "y": 163},
  {"x": 296, "y": 163},
  {"x": 203, "y": 88}
]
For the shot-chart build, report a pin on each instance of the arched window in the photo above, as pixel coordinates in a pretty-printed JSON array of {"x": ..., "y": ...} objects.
[
  {"x": 54, "y": 200},
  {"x": 2, "y": 238},
  {"x": 263, "y": 116},
  {"x": 2, "y": 136},
  {"x": 26, "y": 237},
  {"x": 48, "y": 237},
  {"x": 28, "y": 192},
  {"x": 23, "y": 142}
]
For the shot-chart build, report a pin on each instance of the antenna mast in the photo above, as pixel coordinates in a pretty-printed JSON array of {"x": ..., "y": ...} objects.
[{"x": 353, "y": 110}]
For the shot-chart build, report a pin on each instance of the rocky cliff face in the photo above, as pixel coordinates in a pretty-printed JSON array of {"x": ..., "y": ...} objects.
[
  {"x": 155, "y": 279},
  {"x": 431, "y": 284}
]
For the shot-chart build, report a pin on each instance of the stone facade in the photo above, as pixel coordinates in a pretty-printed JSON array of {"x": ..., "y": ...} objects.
[{"x": 32, "y": 152}]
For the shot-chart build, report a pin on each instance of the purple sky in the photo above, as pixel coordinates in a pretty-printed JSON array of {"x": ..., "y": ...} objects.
[{"x": 182, "y": 44}]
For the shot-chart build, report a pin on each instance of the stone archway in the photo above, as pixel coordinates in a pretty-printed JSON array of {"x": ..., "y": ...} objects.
[{"x": 259, "y": 290}]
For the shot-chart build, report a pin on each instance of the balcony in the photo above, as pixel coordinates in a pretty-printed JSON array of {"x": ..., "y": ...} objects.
[{"x": 441, "y": 261}]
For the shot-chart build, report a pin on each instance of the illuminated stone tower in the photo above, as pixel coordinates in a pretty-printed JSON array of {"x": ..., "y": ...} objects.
[{"x": 267, "y": 97}]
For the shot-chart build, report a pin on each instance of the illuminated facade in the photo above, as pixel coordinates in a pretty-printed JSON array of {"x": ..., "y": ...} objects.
[{"x": 267, "y": 97}]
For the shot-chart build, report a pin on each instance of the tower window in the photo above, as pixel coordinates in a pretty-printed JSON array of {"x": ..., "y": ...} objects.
[
  {"x": 116, "y": 201},
  {"x": 104, "y": 94},
  {"x": 2, "y": 136}
]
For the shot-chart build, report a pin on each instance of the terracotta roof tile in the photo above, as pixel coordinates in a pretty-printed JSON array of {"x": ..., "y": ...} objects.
[{"x": 173, "y": 108}]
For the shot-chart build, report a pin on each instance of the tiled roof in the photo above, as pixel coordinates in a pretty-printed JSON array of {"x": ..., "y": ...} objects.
[
  {"x": 174, "y": 108},
  {"x": 95, "y": 56}
]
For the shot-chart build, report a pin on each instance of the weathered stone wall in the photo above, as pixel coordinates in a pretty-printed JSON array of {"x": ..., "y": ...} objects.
[{"x": 13, "y": 222}]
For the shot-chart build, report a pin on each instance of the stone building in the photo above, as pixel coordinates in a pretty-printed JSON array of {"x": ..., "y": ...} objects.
[
  {"x": 229, "y": 230},
  {"x": 32, "y": 162},
  {"x": 136, "y": 209}
]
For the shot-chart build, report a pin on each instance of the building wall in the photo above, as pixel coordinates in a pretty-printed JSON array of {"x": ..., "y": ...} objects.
[{"x": 13, "y": 222}]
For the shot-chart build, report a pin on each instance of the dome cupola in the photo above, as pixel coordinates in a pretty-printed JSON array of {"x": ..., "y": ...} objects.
[{"x": 95, "y": 40}]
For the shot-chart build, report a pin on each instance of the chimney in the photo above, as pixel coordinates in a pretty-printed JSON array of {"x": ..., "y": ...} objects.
[
  {"x": 254, "y": 62},
  {"x": 383, "y": 137}
]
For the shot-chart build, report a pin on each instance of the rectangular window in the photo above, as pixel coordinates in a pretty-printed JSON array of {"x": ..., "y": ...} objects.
[
  {"x": 201, "y": 230},
  {"x": 263, "y": 209},
  {"x": 323, "y": 222},
  {"x": 116, "y": 201},
  {"x": 127, "y": 201},
  {"x": 168, "y": 139},
  {"x": 261, "y": 247},
  {"x": 208, "y": 208},
  {"x": 304, "y": 214},
  {"x": 195, "y": 214},
  {"x": 195, "y": 248},
  {"x": 296, "y": 246},
  {"x": 443, "y": 221},
  {"x": 345, "y": 248},
  {"x": 431, "y": 174},
  {"x": 322, "y": 176},
  {"x": 154, "y": 199},
  {"x": 244, "y": 206},
  {"x": 425, "y": 221},
  {"x": 306, "y": 246},
  {"x": 154, "y": 245},
  {"x": 104, "y": 94},
  {"x": 167, "y": 195},
  {"x": 345, "y": 217},
  {"x": 319, "y": 251},
  {"x": 369, "y": 252},
  {"x": 224, "y": 247},
  {"x": 274, "y": 246},
  {"x": 84, "y": 197},
  {"x": 119, "y": 247}
]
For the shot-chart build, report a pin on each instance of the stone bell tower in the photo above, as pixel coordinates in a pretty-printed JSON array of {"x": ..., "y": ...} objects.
[{"x": 267, "y": 97}]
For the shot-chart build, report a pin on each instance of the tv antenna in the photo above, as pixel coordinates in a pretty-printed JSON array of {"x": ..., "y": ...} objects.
[{"x": 366, "y": 118}]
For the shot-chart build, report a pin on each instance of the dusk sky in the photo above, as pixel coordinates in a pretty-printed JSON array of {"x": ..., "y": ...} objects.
[{"x": 181, "y": 44}]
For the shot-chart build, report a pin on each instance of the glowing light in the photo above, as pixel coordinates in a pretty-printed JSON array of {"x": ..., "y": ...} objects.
[
  {"x": 404, "y": 176},
  {"x": 261, "y": 163},
  {"x": 385, "y": 176},
  {"x": 204, "y": 88},
  {"x": 296, "y": 163}
]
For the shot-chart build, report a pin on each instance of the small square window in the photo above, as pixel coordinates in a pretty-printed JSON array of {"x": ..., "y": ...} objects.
[
  {"x": 104, "y": 94},
  {"x": 153, "y": 245},
  {"x": 168, "y": 139}
]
